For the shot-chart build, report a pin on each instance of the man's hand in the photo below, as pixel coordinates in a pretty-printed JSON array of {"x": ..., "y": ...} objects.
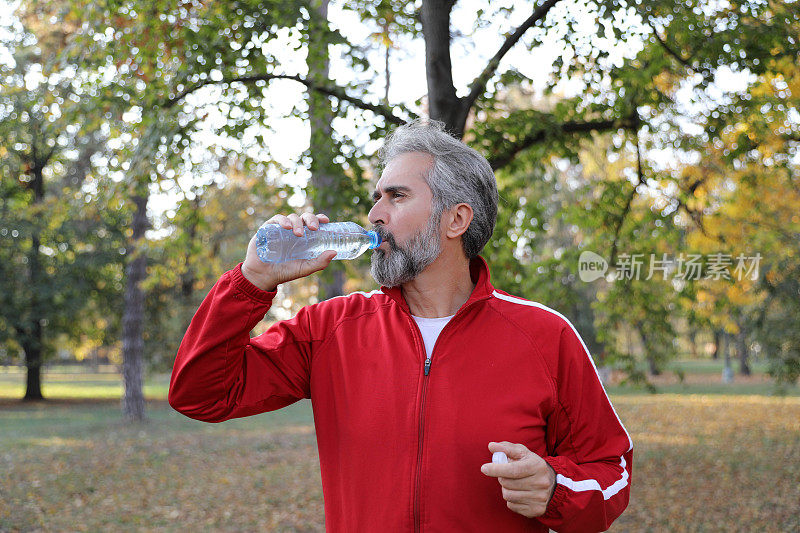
[
  {"x": 267, "y": 276},
  {"x": 527, "y": 480}
]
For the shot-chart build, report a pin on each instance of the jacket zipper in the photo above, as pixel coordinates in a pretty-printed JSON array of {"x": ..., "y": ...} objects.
[
  {"x": 418, "y": 484},
  {"x": 425, "y": 377}
]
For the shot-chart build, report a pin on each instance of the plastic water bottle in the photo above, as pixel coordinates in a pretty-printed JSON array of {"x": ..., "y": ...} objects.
[{"x": 275, "y": 244}]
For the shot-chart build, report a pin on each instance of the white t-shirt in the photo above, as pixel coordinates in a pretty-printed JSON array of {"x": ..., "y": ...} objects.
[{"x": 430, "y": 329}]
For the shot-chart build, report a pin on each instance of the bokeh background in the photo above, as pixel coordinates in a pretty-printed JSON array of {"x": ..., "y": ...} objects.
[{"x": 142, "y": 142}]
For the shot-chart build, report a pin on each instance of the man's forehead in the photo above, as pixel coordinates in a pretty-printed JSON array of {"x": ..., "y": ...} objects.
[{"x": 406, "y": 170}]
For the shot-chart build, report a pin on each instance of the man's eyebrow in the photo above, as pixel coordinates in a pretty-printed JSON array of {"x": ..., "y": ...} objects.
[{"x": 390, "y": 189}]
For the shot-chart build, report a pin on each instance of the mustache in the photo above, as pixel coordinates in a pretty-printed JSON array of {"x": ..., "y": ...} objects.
[{"x": 385, "y": 235}]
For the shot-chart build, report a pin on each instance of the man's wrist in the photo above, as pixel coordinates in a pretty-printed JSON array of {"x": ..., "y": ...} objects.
[
  {"x": 267, "y": 286},
  {"x": 553, "y": 478}
]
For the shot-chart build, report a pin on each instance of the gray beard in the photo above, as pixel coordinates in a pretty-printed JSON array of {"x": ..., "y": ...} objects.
[{"x": 405, "y": 263}]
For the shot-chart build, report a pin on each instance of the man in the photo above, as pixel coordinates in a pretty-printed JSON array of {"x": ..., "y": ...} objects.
[{"x": 414, "y": 386}]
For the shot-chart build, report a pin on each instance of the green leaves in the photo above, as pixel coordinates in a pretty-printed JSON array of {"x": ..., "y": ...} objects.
[{"x": 137, "y": 95}]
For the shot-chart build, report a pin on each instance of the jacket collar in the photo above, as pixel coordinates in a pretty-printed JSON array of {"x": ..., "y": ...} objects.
[{"x": 479, "y": 272}]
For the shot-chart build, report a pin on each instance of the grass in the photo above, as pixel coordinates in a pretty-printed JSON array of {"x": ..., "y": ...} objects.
[
  {"x": 705, "y": 377},
  {"x": 703, "y": 462},
  {"x": 73, "y": 465},
  {"x": 713, "y": 463},
  {"x": 712, "y": 366},
  {"x": 749, "y": 388},
  {"x": 77, "y": 385}
]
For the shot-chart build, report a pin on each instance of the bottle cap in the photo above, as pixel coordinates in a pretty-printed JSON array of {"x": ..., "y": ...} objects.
[
  {"x": 374, "y": 239},
  {"x": 499, "y": 458}
]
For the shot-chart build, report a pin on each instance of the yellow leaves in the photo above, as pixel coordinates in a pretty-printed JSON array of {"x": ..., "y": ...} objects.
[
  {"x": 383, "y": 38},
  {"x": 740, "y": 127},
  {"x": 663, "y": 438},
  {"x": 699, "y": 241},
  {"x": 773, "y": 277},
  {"x": 86, "y": 348},
  {"x": 666, "y": 82},
  {"x": 727, "y": 451},
  {"x": 58, "y": 442},
  {"x": 742, "y": 294}
]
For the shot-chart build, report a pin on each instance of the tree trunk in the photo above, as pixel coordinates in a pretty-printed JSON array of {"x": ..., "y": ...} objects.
[
  {"x": 743, "y": 353},
  {"x": 132, "y": 318},
  {"x": 604, "y": 371},
  {"x": 717, "y": 343},
  {"x": 443, "y": 104},
  {"x": 326, "y": 175},
  {"x": 386, "y": 77},
  {"x": 653, "y": 366},
  {"x": 652, "y": 363},
  {"x": 693, "y": 343},
  {"x": 189, "y": 276},
  {"x": 33, "y": 339},
  {"x": 33, "y": 365},
  {"x": 727, "y": 370}
]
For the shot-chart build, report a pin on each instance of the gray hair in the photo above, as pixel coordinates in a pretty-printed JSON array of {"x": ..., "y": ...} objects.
[{"x": 459, "y": 175}]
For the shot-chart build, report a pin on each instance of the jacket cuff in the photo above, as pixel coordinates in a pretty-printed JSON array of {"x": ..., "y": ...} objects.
[
  {"x": 244, "y": 286},
  {"x": 560, "y": 494}
]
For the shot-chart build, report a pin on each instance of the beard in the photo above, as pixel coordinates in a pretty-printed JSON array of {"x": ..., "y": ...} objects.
[{"x": 404, "y": 263}]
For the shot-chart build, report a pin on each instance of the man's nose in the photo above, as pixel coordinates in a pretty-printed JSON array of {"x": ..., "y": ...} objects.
[{"x": 376, "y": 214}]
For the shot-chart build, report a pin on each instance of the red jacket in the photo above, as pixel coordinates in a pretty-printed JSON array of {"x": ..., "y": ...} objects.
[{"x": 401, "y": 440}]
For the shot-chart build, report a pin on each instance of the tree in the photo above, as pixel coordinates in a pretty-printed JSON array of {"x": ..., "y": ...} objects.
[
  {"x": 63, "y": 248},
  {"x": 202, "y": 236},
  {"x": 627, "y": 68},
  {"x": 326, "y": 175}
]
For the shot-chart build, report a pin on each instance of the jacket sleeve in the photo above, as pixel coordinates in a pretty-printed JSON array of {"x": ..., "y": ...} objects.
[
  {"x": 590, "y": 450},
  {"x": 221, "y": 373}
]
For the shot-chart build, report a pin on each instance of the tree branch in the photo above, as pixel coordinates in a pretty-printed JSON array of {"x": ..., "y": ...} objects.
[
  {"x": 479, "y": 84},
  {"x": 336, "y": 92},
  {"x": 674, "y": 53},
  {"x": 621, "y": 219},
  {"x": 443, "y": 104},
  {"x": 50, "y": 154},
  {"x": 697, "y": 218},
  {"x": 618, "y": 226},
  {"x": 537, "y": 136}
]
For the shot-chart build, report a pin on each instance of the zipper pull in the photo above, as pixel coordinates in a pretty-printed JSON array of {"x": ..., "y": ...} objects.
[{"x": 427, "y": 366}]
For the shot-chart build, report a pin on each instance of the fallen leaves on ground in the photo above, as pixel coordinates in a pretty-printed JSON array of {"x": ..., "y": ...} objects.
[{"x": 701, "y": 463}]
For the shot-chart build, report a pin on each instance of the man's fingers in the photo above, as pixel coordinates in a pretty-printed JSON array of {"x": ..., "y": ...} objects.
[
  {"x": 514, "y": 451},
  {"x": 281, "y": 220},
  {"x": 514, "y": 470},
  {"x": 525, "y": 482},
  {"x": 516, "y": 496},
  {"x": 297, "y": 224},
  {"x": 522, "y": 508},
  {"x": 522, "y": 462},
  {"x": 514, "y": 484},
  {"x": 527, "y": 503},
  {"x": 322, "y": 261},
  {"x": 310, "y": 220},
  {"x": 517, "y": 467}
]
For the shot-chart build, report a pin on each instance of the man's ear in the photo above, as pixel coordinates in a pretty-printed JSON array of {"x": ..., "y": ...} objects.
[{"x": 457, "y": 220}]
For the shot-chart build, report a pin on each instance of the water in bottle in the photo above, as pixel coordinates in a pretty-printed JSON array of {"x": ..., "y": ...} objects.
[{"x": 275, "y": 244}]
